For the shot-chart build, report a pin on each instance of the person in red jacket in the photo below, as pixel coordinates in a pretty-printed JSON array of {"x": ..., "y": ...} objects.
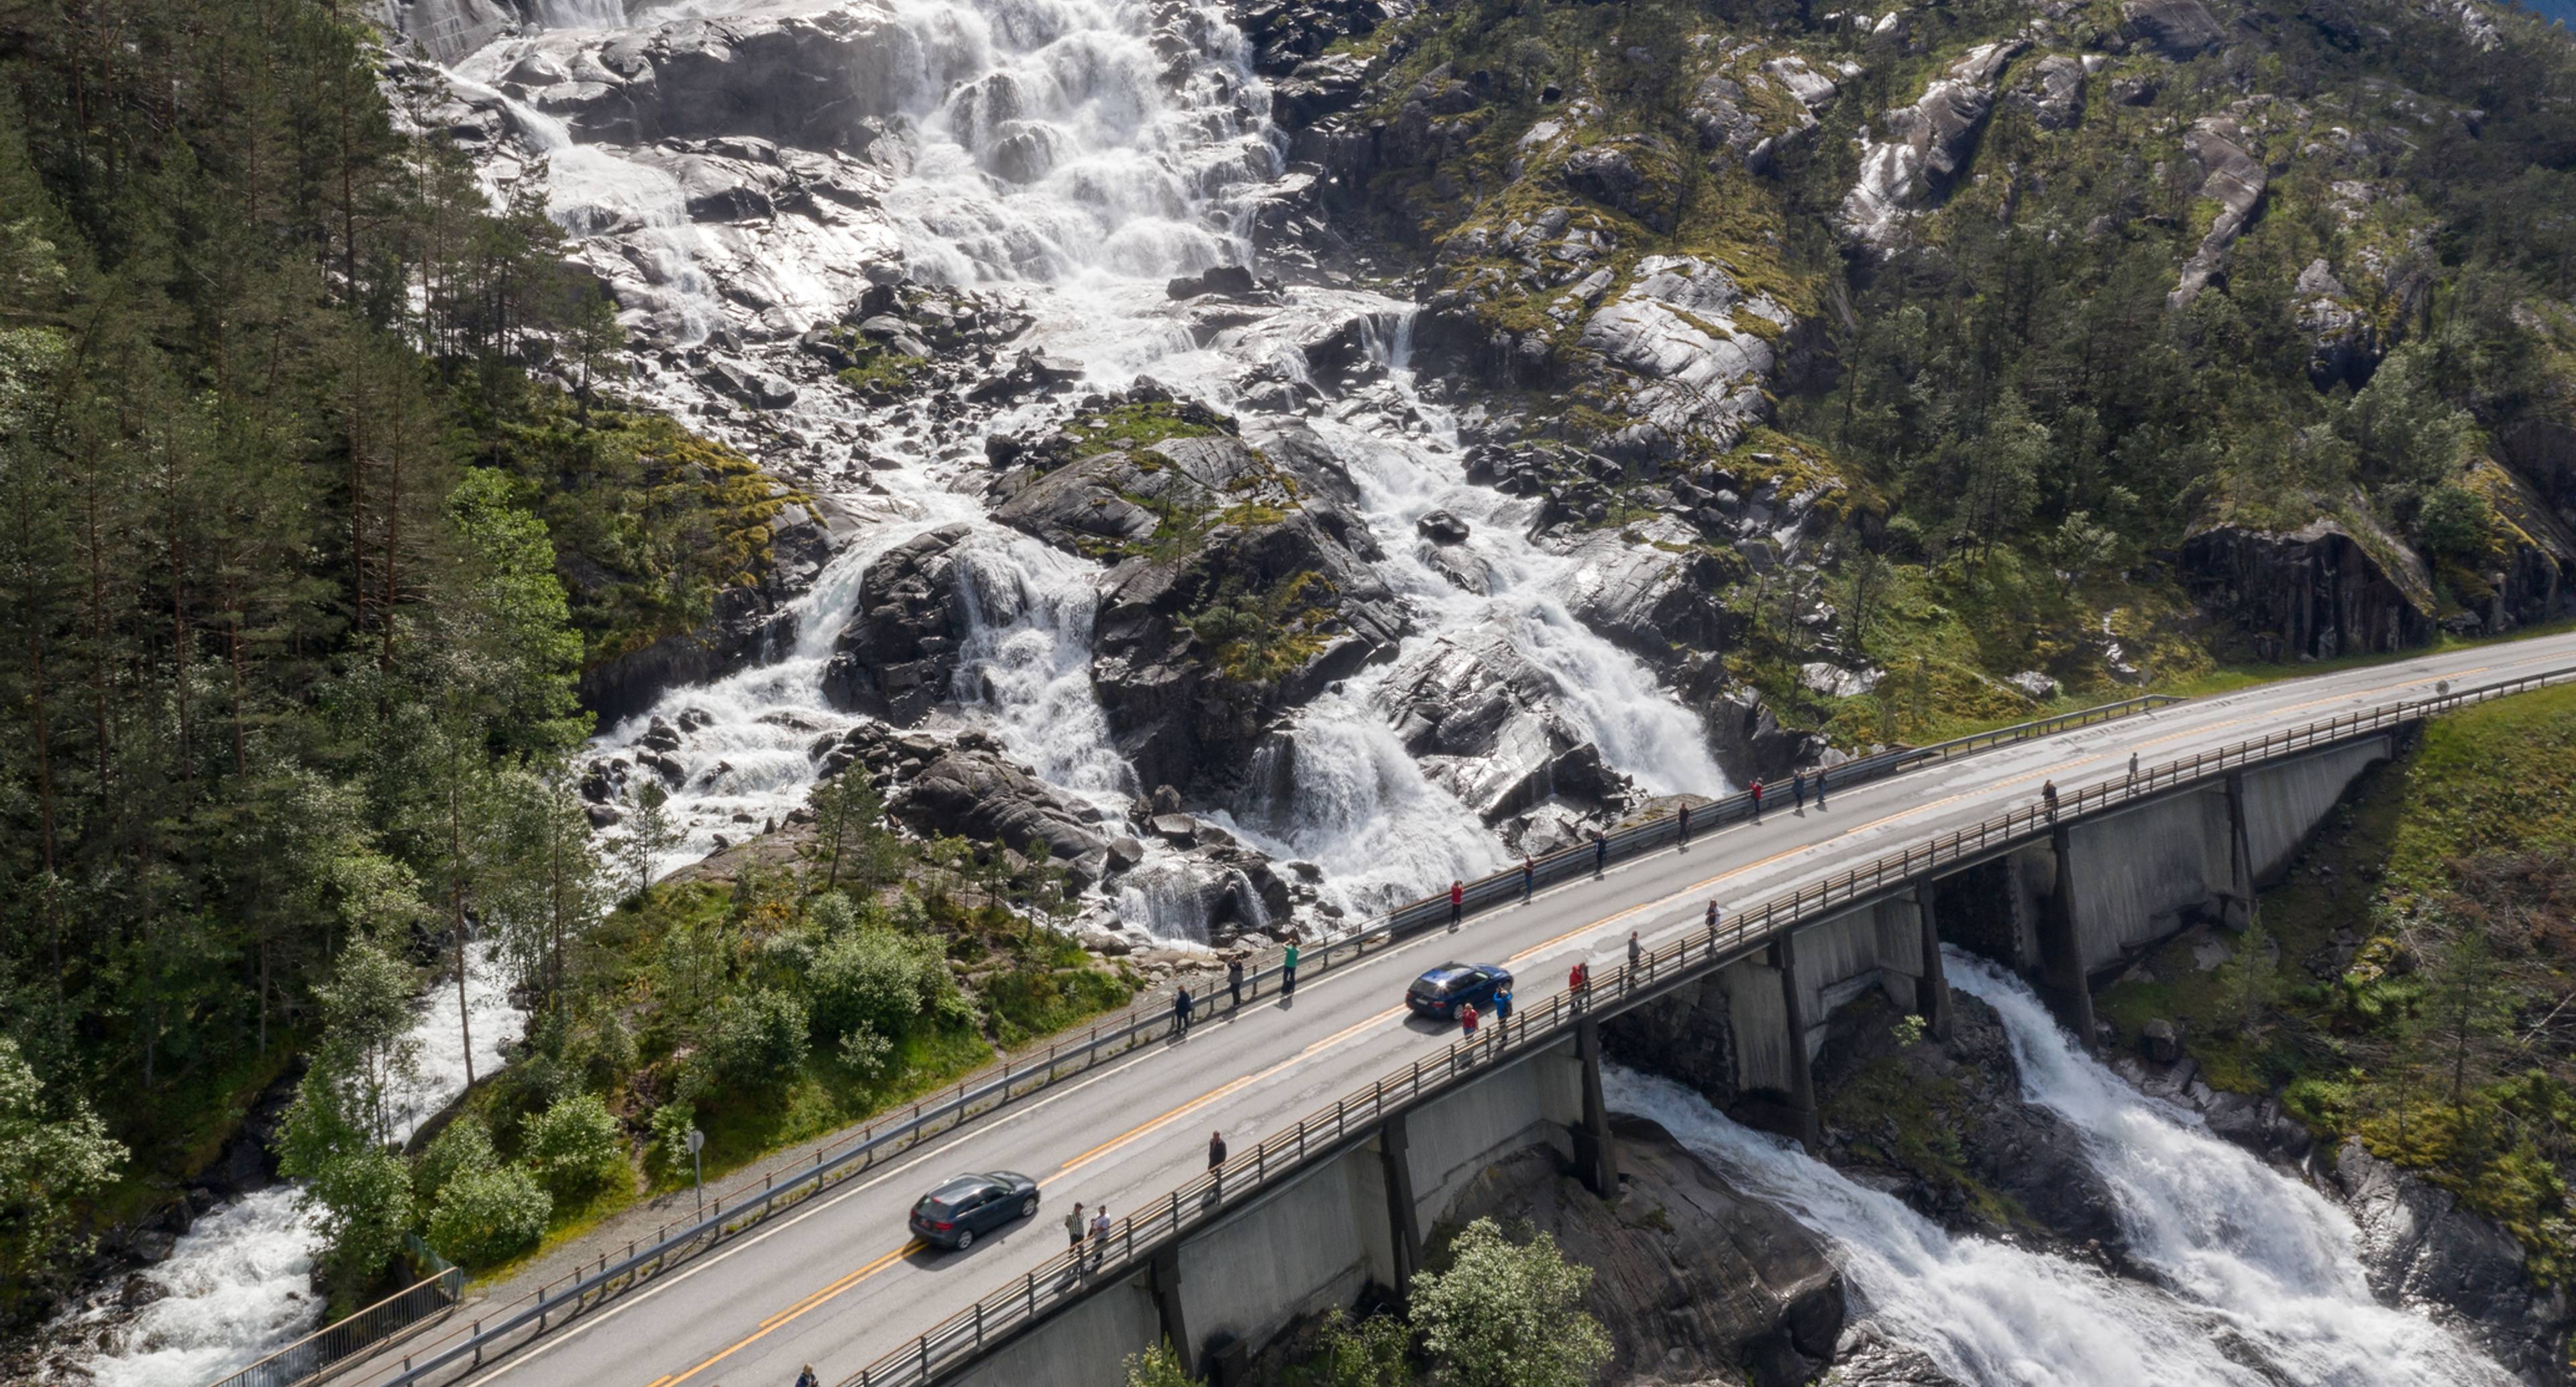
[
  {"x": 1755, "y": 789},
  {"x": 1467, "y": 1019},
  {"x": 1457, "y": 902}
]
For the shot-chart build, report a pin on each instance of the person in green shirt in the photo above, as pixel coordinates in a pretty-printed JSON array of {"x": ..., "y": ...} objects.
[{"x": 1288, "y": 972}]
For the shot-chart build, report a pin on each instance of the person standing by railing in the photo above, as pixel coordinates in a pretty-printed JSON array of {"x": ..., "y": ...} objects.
[
  {"x": 2048, "y": 793},
  {"x": 1820, "y": 789},
  {"x": 2133, "y": 768},
  {"x": 1600, "y": 853},
  {"x": 1713, "y": 914},
  {"x": 1529, "y": 878},
  {"x": 1502, "y": 1009},
  {"x": 1288, "y": 970},
  {"x": 1234, "y": 980},
  {"x": 1755, "y": 790},
  {"x": 1684, "y": 816},
  {"x": 1798, "y": 788},
  {"x": 1457, "y": 902},
  {"x": 1100, "y": 1237},
  {"x": 1467, "y": 1019},
  {"x": 1216, "y": 1162},
  {"x": 1636, "y": 955},
  {"x": 1180, "y": 1013},
  {"x": 1073, "y": 1233}
]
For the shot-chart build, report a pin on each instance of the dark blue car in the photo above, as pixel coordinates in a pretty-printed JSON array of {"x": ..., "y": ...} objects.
[{"x": 1450, "y": 986}]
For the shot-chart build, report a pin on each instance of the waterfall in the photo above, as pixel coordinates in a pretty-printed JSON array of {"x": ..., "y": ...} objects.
[
  {"x": 2256, "y": 1282},
  {"x": 238, "y": 1285}
]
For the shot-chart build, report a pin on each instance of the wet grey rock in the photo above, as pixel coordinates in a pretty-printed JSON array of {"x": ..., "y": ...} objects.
[
  {"x": 1229, "y": 280},
  {"x": 2308, "y": 594},
  {"x": 2421, "y": 1246},
  {"x": 2034, "y": 685},
  {"x": 1650, "y": 591},
  {"x": 1632, "y": 175},
  {"x": 898, "y": 655},
  {"x": 1486, "y": 725},
  {"x": 1700, "y": 374},
  {"x": 1441, "y": 527}
]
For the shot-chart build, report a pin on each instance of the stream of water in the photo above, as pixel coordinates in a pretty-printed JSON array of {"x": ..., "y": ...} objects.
[{"x": 2255, "y": 1281}]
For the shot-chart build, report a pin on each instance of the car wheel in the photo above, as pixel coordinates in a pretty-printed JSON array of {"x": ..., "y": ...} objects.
[
  {"x": 1029, "y": 1207},
  {"x": 965, "y": 1238}
]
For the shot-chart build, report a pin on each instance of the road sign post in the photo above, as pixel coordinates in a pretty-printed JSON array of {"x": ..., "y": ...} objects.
[{"x": 697, "y": 1167}]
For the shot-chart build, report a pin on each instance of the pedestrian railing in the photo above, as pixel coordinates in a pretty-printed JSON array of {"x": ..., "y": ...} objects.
[
  {"x": 499, "y": 1329},
  {"x": 1537, "y": 1026},
  {"x": 410, "y": 1308}
]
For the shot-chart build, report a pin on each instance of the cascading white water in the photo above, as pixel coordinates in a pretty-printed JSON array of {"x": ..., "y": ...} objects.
[
  {"x": 2267, "y": 1254},
  {"x": 2260, "y": 1284},
  {"x": 238, "y": 1285}
]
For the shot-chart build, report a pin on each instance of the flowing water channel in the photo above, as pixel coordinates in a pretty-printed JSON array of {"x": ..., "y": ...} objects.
[{"x": 2254, "y": 1277}]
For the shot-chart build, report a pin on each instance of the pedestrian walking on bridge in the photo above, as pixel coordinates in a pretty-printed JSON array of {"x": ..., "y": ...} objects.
[
  {"x": 1820, "y": 788},
  {"x": 1636, "y": 953},
  {"x": 1073, "y": 1229},
  {"x": 2048, "y": 793},
  {"x": 1216, "y": 1161},
  {"x": 1798, "y": 787}
]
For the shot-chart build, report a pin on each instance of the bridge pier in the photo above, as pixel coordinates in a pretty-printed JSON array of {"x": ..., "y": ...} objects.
[
  {"x": 1169, "y": 1311},
  {"x": 1403, "y": 1210},
  {"x": 1596, "y": 1153},
  {"x": 2236, "y": 908},
  {"x": 2063, "y": 976},
  {"x": 1932, "y": 987},
  {"x": 1802, "y": 1075}
]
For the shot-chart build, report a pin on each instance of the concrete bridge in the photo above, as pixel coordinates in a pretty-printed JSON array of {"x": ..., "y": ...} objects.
[
  {"x": 2066, "y": 893},
  {"x": 800, "y": 1268}
]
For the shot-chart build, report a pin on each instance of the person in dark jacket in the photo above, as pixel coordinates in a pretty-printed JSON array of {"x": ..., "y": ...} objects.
[
  {"x": 1181, "y": 1012},
  {"x": 2048, "y": 793},
  {"x": 1798, "y": 787},
  {"x": 1216, "y": 1160},
  {"x": 1636, "y": 950},
  {"x": 1600, "y": 853},
  {"x": 1820, "y": 789},
  {"x": 1685, "y": 822},
  {"x": 1529, "y": 878},
  {"x": 1502, "y": 1008},
  {"x": 807, "y": 1378},
  {"x": 1234, "y": 979}
]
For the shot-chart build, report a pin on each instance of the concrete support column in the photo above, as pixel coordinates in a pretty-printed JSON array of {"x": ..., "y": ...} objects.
[
  {"x": 2061, "y": 951},
  {"x": 2237, "y": 910},
  {"x": 1166, "y": 1273},
  {"x": 1596, "y": 1156},
  {"x": 1403, "y": 1210},
  {"x": 1932, "y": 989},
  {"x": 1802, "y": 1078}
]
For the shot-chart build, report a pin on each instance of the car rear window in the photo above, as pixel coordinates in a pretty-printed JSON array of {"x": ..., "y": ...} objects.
[{"x": 933, "y": 1208}]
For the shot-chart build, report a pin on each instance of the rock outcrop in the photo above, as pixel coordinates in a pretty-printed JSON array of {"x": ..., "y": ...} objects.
[
  {"x": 2230, "y": 177},
  {"x": 1209, "y": 534},
  {"x": 2176, "y": 29},
  {"x": 980, "y": 794},
  {"x": 1916, "y": 151},
  {"x": 2312, "y": 593},
  {"x": 898, "y": 655},
  {"x": 1486, "y": 725},
  {"x": 1699, "y": 373},
  {"x": 2422, "y": 1248},
  {"x": 1694, "y": 1281}
]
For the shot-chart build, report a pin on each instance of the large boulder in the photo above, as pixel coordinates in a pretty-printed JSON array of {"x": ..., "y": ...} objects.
[
  {"x": 978, "y": 794},
  {"x": 898, "y": 655},
  {"x": 746, "y": 627},
  {"x": 1207, "y": 532},
  {"x": 1652, "y": 590},
  {"x": 1486, "y": 724},
  {"x": 1693, "y": 1279}
]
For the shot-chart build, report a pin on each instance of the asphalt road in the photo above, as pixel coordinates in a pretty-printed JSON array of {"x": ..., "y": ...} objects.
[{"x": 838, "y": 1281}]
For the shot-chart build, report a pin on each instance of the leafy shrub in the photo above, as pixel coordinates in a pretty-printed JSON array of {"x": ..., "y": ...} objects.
[
  {"x": 574, "y": 1147},
  {"x": 760, "y": 1041},
  {"x": 464, "y": 1146},
  {"x": 876, "y": 979},
  {"x": 671, "y": 1124},
  {"x": 489, "y": 1216},
  {"x": 1509, "y": 1316}
]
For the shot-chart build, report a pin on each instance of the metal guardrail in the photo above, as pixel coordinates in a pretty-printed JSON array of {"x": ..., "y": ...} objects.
[
  {"x": 1537, "y": 1026},
  {"x": 314, "y": 1355},
  {"x": 1146, "y": 1020}
]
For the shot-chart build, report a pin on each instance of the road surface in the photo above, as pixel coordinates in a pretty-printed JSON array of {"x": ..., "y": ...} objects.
[{"x": 838, "y": 1282}]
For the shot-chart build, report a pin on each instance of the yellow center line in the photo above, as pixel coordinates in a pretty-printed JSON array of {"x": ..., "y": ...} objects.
[
  {"x": 771, "y": 1325},
  {"x": 842, "y": 1286}
]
